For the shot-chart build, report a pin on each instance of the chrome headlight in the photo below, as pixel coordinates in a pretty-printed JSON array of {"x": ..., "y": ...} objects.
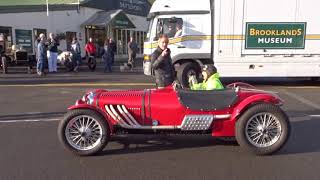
[{"x": 90, "y": 98}]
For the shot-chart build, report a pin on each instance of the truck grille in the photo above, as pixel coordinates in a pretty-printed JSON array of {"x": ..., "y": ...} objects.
[{"x": 196, "y": 122}]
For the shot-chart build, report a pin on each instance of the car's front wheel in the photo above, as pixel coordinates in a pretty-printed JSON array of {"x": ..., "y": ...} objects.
[
  {"x": 84, "y": 132},
  {"x": 263, "y": 129}
]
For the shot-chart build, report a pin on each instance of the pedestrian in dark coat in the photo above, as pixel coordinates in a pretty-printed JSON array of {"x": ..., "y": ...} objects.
[
  {"x": 76, "y": 54},
  {"x": 41, "y": 54},
  {"x": 132, "y": 52},
  {"x": 162, "y": 67},
  {"x": 107, "y": 56},
  {"x": 113, "y": 47}
]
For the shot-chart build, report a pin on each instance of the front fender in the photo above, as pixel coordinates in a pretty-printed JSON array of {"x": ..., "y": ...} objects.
[
  {"x": 255, "y": 99},
  {"x": 94, "y": 108}
]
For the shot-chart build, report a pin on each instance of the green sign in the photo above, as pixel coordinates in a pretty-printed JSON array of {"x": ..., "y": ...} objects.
[
  {"x": 24, "y": 39},
  {"x": 121, "y": 21},
  {"x": 275, "y": 35}
]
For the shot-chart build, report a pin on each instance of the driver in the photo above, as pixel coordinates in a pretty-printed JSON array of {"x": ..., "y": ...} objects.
[{"x": 211, "y": 79}]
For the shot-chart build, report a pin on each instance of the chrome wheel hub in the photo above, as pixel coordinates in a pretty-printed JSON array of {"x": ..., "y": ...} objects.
[
  {"x": 83, "y": 132},
  {"x": 263, "y": 129}
]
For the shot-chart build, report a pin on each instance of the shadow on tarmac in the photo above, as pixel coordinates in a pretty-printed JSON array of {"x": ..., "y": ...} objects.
[
  {"x": 304, "y": 137},
  {"x": 132, "y": 144}
]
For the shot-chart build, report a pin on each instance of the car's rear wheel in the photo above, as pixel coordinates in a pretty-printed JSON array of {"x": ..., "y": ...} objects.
[
  {"x": 263, "y": 129},
  {"x": 84, "y": 132}
]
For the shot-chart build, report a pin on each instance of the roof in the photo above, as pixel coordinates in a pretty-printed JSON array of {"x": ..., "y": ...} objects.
[
  {"x": 19, "y": 6},
  {"x": 135, "y": 7},
  {"x": 35, "y": 2},
  {"x": 103, "y": 18}
]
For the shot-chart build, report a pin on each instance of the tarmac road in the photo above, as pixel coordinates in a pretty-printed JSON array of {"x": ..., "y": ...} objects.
[{"x": 31, "y": 108}]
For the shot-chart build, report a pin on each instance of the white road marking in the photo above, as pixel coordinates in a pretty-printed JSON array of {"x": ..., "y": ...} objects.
[
  {"x": 303, "y": 100},
  {"x": 31, "y": 120},
  {"x": 315, "y": 115}
]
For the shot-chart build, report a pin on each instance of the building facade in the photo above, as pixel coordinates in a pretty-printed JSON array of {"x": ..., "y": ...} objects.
[{"x": 100, "y": 19}]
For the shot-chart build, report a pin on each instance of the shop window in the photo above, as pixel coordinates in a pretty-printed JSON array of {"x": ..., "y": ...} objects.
[
  {"x": 69, "y": 37},
  {"x": 24, "y": 39},
  {"x": 6, "y": 38}
]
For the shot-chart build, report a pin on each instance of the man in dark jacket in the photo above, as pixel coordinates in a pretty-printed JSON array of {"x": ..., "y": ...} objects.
[
  {"x": 162, "y": 63},
  {"x": 41, "y": 54}
]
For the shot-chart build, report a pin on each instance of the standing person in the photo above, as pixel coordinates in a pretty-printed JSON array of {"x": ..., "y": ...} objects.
[
  {"x": 162, "y": 63},
  {"x": 53, "y": 53},
  {"x": 107, "y": 56},
  {"x": 41, "y": 54},
  {"x": 76, "y": 54},
  {"x": 113, "y": 47},
  {"x": 90, "y": 48},
  {"x": 132, "y": 51}
]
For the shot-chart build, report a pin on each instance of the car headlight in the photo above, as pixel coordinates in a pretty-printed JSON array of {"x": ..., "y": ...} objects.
[{"x": 88, "y": 98}]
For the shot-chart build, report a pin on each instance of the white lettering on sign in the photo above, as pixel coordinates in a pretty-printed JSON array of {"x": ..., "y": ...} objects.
[
  {"x": 274, "y": 40},
  {"x": 124, "y": 5}
]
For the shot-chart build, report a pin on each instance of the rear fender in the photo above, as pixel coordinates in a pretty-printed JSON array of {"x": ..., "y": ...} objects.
[
  {"x": 255, "y": 99},
  {"x": 94, "y": 108}
]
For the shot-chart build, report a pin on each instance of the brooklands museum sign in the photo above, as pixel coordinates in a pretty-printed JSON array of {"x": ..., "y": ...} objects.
[{"x": 284, "y": 35}]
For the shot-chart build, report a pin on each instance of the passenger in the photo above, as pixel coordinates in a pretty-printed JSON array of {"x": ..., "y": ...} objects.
[
  {"x": 161, "y": 63},
  {"x": 211, "y": 79},
  {"x": 178, "y": 30}
]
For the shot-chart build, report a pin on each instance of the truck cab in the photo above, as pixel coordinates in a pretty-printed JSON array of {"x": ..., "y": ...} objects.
[{"x": 189, "y": 36}]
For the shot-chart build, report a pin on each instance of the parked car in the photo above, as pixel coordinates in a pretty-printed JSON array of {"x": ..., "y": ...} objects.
[
  {"x": 17, "y": 57},
  {"x": 253, "y": 117}
]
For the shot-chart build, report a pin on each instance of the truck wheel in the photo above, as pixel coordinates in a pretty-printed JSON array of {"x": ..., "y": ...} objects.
[
  {"x": 263, "y": 129},
  {"x": 83, "y": 132},
  {"x": 4, "y": 65},
  {"x": 92, "y": 63},
  {"x": 185, "y": 71}
]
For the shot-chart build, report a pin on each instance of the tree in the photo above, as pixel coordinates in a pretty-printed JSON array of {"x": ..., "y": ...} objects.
[{"x": 151, "y": 1}]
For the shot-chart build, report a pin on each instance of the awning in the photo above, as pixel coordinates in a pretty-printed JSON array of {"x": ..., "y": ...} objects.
[{"x": 115, "y": 18}]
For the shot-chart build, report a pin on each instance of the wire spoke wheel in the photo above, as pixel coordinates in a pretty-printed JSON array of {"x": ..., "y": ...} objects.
[
  {"x": 263, "y": 130},
  {"x": 83, "y": 132}
]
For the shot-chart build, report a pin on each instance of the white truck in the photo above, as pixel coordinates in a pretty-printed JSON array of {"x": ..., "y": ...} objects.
[{"x": 243, "y": 38}]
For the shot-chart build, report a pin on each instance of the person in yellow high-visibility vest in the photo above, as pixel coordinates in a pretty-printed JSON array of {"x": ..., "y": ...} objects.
[{"x": 211, "y": 79}]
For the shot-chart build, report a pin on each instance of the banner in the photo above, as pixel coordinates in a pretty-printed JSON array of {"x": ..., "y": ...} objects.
[{"x": 287, "y": 35}]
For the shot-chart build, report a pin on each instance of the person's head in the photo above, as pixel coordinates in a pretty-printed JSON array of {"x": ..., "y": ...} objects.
[
  {"x": 42, "y": 36},
  {"x": 163, "y": 41},
  {"x": 110, "y": 40},
  {"x": 74, "y": 39},
  {"x": 178, "y": 27},
  {"x": 208, "y": 70},
  {"x": 90, "y": 39},
  {"x": 107, "y": 42},
  {"x": 131, "y": 39},
  {"x": 51, "y": 35}
]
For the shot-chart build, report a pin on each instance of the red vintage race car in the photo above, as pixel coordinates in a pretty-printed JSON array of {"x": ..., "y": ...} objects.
[{"x": 252, "y": 116}]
